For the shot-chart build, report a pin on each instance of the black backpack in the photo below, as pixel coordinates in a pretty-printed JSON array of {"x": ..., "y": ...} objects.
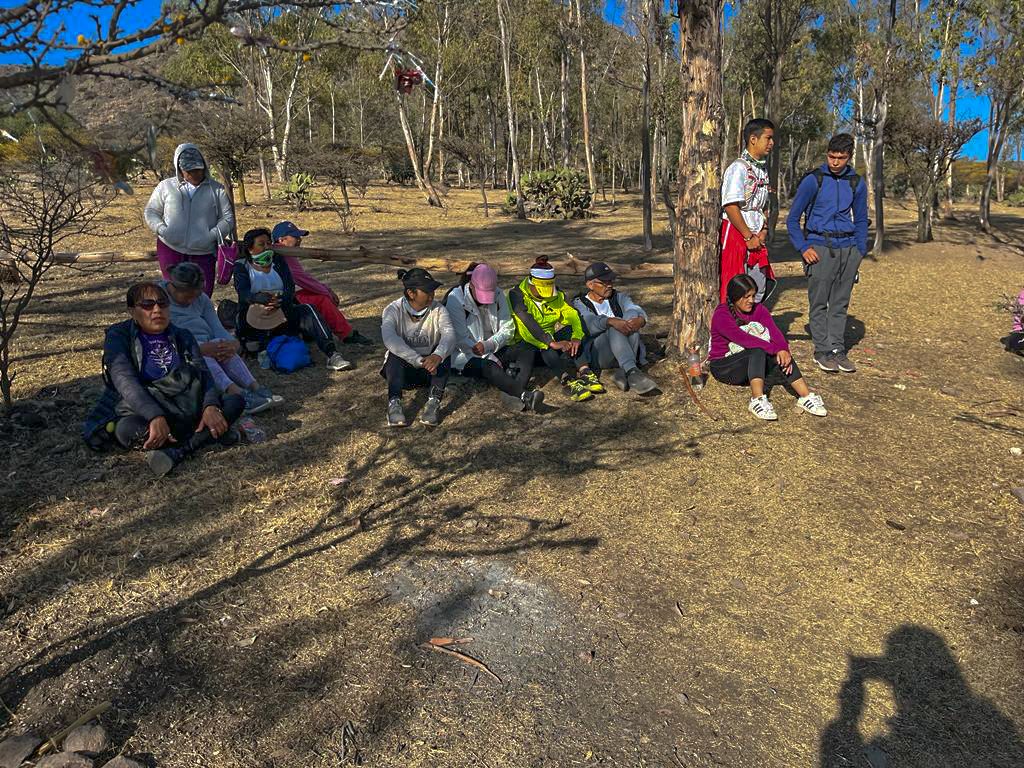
[
  {"x": 819, "y": 175},
  {"x": 613, "y": 301}
]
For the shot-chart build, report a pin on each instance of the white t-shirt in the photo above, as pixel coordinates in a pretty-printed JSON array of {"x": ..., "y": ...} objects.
[
  {"x": 603, "y": 308},
  {"x": 746, "y": 184},
  {"x": 267, "y": 282}
]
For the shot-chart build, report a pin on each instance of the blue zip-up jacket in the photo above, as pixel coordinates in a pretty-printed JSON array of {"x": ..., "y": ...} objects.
[
  {"x": 122, "y": 364},
  {"x": 836, "y": 209}
]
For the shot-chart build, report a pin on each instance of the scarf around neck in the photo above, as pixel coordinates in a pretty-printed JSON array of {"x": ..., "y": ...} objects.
[{"x": 761, "y": 164}]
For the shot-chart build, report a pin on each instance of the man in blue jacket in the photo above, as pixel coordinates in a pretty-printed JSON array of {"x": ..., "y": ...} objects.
[{"x": 833, "y": 201}]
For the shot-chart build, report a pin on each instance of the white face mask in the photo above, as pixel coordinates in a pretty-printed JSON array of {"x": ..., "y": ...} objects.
[{"x": 414, "y": 312}]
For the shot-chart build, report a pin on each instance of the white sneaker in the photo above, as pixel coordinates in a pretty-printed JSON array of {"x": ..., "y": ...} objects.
[
  {"x": 338, "y": 363},
  {"x": 762, "y": 409},
  {"x": 813, "y": 404}
]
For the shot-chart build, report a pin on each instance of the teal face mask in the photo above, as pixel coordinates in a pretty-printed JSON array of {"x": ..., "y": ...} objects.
[{"x": 264, "y": 258}]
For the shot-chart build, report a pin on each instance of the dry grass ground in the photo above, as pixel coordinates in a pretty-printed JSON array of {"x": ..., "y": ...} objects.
[{"x": 653, "y": 587}]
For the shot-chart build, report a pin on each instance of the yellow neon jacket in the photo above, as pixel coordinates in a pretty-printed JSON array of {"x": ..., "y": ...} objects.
[{"x": 536, "y": 318}]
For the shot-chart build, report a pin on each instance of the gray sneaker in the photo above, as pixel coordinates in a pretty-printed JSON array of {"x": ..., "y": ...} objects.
[
  {"x": 826, "y": 361},
  {"x": 619, "y": 379},
  {"x": 430, "y": 415},
  {"x": 396, "y": 416},
  {"x": 641, "y": 383},
  {"x": 843, "y": 362},
  {"x": 338, "y": 363},
  {"x": 256, "y": 403}
]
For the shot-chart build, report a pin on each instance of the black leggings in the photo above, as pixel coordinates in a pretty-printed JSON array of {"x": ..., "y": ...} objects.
[
  {"x": 302, "y": 320},
  {"x": 495, "y": 375},
  {"x": 401, "y": 375},
  {"x": 750, "y": 364},
  {"x": 133, "y": 430},
  {"x": 525, "y": 358}
]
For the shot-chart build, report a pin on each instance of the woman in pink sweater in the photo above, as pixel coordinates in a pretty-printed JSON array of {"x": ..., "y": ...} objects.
[{"x": 747, "y": 348}]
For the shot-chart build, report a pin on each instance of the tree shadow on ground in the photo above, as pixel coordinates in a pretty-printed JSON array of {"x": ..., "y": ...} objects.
[{"x": 939, "y": 721}]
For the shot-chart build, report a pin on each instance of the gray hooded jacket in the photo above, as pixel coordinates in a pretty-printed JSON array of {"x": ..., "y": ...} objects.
[{"x": 189, "y": 225}]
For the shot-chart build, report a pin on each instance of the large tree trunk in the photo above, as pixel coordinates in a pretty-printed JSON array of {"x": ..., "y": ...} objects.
[
  {"x": 543, "y": 120},
  {"x": 695, "y": 281},
  {"x": 564, "y": 108},
  {"x": 507, "y": 71},
  {"x": 999, "y": 118},
  {"x": 924, "y": 218},
  {"x": 947, "y": 183},
  {"x": 878, "y": 146}
]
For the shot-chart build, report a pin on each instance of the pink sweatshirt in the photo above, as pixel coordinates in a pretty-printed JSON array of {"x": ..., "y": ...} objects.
[
  {"x": 724, "y": 329},
  {"x": 303, "y": 280}
]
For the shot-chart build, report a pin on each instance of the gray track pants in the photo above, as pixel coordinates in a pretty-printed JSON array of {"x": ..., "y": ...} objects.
[
  {"x": 829, "y": 285},
  {"x": 613, "y": 350}
]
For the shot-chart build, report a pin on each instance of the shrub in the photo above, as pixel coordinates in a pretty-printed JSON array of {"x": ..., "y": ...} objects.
[
  {"x": 1016, "y": 198},
  {"x": 555, "y": 194},
  {"x": 299, "y": 190}
]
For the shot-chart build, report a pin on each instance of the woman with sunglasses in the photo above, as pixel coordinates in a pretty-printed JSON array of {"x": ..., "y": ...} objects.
[{"x": 159, "y": 394}]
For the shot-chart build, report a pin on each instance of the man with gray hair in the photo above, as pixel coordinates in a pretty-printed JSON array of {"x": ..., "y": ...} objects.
[{"x": 189, "y": 214}]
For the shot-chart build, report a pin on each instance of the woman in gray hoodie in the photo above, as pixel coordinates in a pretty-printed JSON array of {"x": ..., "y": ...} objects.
[{"x": 189, "y": 214}]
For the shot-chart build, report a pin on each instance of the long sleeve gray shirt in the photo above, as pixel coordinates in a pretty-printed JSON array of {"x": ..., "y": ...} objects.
[{"x": 414, "y": 338}]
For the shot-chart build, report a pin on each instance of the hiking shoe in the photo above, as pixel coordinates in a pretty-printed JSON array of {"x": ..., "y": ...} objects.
[
  {"x": 356, "y": 338},
  {"x": 591, "y": 382},
  {"x": 513, "y": 403},
  {"x": 338, "y": 363},
  {"x": 826, "y": 361},
  {"x": 620, "y": 380},
  {"x": 396, "y": 415},
  {"x": 255, "y": 402},
  {"x": 430, "y": 415},
  {"x": 762, "y": 409},
  {"x": 813, "y": 404},
  {"x": 641, "y": 383},
  {"x": 532, "y": 399},
  {"x": 843, "y": 362},
  {"x": 163, "y": 460},
  {"x": 232, "y": 437},
  {"x": 578, "y": 391}
]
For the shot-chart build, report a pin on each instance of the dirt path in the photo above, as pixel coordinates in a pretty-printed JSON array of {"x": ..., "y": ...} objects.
[{"x": 653, "y": 587}]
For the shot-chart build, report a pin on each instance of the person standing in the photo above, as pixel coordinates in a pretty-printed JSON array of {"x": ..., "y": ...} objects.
[
  {"x": 189, "y": 214},
  {"x": 833, "y": 202},
  {"x": 745, "y": 194}
]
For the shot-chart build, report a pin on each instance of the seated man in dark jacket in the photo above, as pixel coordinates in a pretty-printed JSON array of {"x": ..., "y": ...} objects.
[
  {"x": 159, "y": 395},
  {"x": 267, "y": 305}
]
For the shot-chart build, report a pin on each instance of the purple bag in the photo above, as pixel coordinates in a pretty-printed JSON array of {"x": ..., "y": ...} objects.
[{"x": 227, "y": 254}]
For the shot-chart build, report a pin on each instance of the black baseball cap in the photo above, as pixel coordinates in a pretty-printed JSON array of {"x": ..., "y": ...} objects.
[
  {"x": 599, "y": 271},
  {"x": 417, "y": 277}
]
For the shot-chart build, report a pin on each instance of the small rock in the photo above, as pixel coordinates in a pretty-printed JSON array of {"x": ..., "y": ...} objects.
[
  {"x": 65, "y": 760},
  {"x": 950, "y": 391},
  {"x": 738, "y": 584},
  {"x": 1019, "y": 493},
  {"x": 87, "y": 739},
  {"x": 972, "y": 601},
  {"x": 900, "y": 387},
  {"x": 122, "y": 762},
  {"x": 14, "y": 750},
  {"x": 1015, "y": 451}
]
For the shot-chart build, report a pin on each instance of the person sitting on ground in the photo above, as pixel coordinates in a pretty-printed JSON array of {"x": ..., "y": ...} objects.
[
  {"x": 193, "y": 310},
  {"x": 747, "y": 348},
  {"x": 483, "y": 329},
  {"x": 613, "y": 322},
  {"x": 1014, "y": 340},
  {"x": 309, "y": 290},
  {"x": 552, "y": 330},
  {"x": 266, "y": 301},
  {"x": 159, "y": 395},
  {"x": 418, "y": 334}
]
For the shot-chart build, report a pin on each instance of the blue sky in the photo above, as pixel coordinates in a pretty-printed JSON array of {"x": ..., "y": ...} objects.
[{"x": 969, "y": 104}]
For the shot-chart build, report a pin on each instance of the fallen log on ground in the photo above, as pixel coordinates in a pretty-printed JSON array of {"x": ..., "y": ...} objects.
[{"x": 564, "y": 265}]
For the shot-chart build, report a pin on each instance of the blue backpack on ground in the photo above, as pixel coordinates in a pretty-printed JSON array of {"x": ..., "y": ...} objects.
[{"x": 288, "y": 354}]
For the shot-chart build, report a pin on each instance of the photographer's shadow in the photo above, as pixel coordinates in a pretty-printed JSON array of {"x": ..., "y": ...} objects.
[{"x": 939, "y": 722}]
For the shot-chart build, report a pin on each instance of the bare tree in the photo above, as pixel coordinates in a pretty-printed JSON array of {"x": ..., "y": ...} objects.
[
  {"x": 43, "y": 202},
  {"x": 506, "y": 66}
]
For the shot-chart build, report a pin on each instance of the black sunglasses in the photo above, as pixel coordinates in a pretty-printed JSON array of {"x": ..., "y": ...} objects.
[{"x": 148, "y": 304}]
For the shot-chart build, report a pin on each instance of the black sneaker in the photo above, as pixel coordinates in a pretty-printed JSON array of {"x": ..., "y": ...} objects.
[
  {"x": 843, "y": 362},
  {"x": 431, "y": 413},
  {"x": 826, "y": 361},
  {"x": 533, "y": 398},
  {"x": 356, "y": 338},
  {"x": 164, "y": 460}
]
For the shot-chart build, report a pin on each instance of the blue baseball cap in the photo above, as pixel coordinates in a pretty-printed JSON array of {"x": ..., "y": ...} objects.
[{"x": 286, "y": 228}]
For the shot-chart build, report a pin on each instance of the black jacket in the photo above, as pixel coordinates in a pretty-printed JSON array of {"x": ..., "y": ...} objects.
[
  {"x": 246, "y": 297},
  {"x": 122, "y": 375}
]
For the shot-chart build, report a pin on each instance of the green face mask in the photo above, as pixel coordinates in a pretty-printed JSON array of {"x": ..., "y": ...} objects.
[{"x": 263, "y": 259}]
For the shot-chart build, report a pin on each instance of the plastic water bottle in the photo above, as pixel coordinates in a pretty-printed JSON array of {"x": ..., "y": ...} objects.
[
  {"x": 264, "y": 360},
  {"x": 693, "y": 370},
  {"x": 250, "y": 430}
]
